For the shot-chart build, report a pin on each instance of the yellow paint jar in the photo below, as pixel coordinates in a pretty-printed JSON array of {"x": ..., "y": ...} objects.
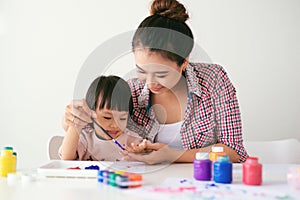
[
  {"x": 215, "y": 152},
  {"x": 8, "y": 161}
]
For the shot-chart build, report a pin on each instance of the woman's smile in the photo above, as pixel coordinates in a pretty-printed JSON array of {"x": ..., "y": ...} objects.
[{"x": 155, "y": 89}]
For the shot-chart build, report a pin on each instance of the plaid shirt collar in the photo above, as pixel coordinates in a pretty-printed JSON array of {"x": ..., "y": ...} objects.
[{"x": 144, "y": 100}]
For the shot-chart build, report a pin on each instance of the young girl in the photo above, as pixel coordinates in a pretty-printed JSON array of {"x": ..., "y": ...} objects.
[{"x": 110, "y": 98}]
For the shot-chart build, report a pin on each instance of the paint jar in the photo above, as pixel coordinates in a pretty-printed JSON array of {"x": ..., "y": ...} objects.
[
  {"x": 222, "y": 170},
  {"x": 215, "y": 152},
  {"x": 103, "y": 176},
  {"x": 112, "y": 179},
  {"x": 8, "y": 161},
  {"x": 135, "y": 180},
  {"x": 252, "y": 171},
  {"x": 120, "y": 179},
  {"x": 202, "y": 167}
]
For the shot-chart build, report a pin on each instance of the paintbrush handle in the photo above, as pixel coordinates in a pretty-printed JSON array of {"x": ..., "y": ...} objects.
[{"x": 115, "y": 141}]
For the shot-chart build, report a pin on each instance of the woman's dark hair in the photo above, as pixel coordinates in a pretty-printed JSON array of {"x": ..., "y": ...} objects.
[
  {"x": 165, "y": 31},
  {"x": 114, "y": 92}
]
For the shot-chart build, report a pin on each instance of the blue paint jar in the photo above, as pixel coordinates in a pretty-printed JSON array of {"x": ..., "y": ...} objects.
[{"x": 222, "y": 170}]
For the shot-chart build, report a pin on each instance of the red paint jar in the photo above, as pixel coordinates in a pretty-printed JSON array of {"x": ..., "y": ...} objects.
[{"x": 252, "y": 171}]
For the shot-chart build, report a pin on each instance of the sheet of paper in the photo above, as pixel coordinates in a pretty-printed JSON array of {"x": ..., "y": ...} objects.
[{"x": 176, "y": 188}]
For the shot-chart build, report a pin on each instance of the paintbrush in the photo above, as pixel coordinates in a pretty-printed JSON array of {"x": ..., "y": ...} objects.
[{"x": 115, "y": 141}]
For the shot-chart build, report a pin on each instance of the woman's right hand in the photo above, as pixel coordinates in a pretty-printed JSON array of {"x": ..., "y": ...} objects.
[{"x": 77, "y": 114}]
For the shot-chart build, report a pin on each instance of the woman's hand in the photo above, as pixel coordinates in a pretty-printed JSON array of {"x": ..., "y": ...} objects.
[
  {"x": 77, "y": 114},
  {"x": 159, "y": 153}
]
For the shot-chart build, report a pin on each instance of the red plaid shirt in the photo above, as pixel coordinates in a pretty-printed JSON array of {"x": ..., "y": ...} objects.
[{"x": 212, "y": 114}]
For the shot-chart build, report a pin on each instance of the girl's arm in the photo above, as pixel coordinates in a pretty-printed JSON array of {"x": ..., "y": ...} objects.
[{"x": 70, "y": 143}]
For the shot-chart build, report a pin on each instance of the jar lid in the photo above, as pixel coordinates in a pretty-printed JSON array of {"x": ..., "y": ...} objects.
[
  {"x": 217, "y": 149},
  {"x": 8, "y": 148},
  {"x": 251, "y": 159},
  {"x": 223, "y": 158},
  {"x": 202, "y": 156}
]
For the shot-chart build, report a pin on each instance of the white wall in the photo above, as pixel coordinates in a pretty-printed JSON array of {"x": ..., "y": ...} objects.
[{"x": 43, "y": 45}]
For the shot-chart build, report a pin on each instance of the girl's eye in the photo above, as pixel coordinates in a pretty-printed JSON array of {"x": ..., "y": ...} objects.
[
  {"x": 108, "y": 118},
  {"x": 161, "y": 76}
]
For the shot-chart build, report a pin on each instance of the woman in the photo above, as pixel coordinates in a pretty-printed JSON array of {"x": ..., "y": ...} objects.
[{"x": 182, "y": 107}]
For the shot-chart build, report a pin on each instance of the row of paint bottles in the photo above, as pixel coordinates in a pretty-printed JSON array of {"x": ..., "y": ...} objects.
[
  {"x": 8, "y": 161},
  {"x": 222, "y": 168},
  {"x": 204, "y": 168},
  {"x": 216, "y": 163}
]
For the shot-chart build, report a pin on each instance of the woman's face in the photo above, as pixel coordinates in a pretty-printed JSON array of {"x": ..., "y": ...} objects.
[
  {"x": 114, "y": 122},
  {"x": 160, "y": 74}
]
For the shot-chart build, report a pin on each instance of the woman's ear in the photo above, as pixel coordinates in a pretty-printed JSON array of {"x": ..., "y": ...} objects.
[{"x": 185, "y": 64}]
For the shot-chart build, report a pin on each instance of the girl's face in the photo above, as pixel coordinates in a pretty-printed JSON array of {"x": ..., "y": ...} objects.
[
  {"x": 159, "y": 73},
  {"x": 114, "y": 122}
]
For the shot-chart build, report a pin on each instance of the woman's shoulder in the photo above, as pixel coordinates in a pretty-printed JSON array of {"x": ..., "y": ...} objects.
[
  {"x": 209, "y": 70},
  {"x": 208, "y": 76},
  {"x": 208, "y": 73}
]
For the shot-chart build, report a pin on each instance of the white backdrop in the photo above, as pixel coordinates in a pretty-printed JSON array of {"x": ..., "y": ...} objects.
[{"x": 43, "y": 45}]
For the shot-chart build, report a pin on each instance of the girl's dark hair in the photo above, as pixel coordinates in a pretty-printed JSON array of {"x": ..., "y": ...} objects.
[
  {"x": 165, "y": 31},
  {"x": 114, "y": 92}
]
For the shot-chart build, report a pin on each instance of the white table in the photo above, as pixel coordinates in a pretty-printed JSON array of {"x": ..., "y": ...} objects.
[{"x": 274, "y": 180}]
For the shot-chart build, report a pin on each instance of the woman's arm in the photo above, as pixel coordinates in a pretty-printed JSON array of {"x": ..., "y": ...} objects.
[
  {"x": 189, "y": 155},
  {"x": 163, "y": 153},
  {"x": 70, "y": 143},
  {"x": 228, "y": 117}
]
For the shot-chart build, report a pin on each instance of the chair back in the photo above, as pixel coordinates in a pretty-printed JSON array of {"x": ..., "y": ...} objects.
[
  {"x": 286, "y": 151},
  {"x": 54, "y": 144}
]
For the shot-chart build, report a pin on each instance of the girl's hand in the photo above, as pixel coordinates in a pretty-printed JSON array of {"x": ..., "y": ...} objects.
[
  {"x": 144, "y": 146},
  {"x": 137, "y": 148},
  {"x": 77, "y": 114},
  {"x": 160, "y": 153}
]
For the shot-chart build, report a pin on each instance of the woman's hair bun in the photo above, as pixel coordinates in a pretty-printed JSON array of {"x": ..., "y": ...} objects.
[{"x": 169, "y": 8}]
